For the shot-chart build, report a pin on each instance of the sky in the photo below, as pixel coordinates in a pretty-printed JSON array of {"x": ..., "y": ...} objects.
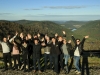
[{"x": 55, "y": 10}]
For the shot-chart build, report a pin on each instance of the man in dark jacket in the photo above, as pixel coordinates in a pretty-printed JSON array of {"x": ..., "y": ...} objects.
[
  {"x": 61, "y": 55},
  {"x": 36, "y": 55},
  {"x": 54, "y": 53},
  {"x": 78, "y": 51}
]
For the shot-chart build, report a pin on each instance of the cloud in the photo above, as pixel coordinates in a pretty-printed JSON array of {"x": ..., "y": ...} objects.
[
  {"x": 32, "y": 9},
  {"x": 47, "y": 15},
  {"x": 96, "y": 5},
  {"x": 62, "y": 17},
  {"x": 65, "y": 7},
  {"x": 31, "y": 15},
  {"x": 57, "y": 7},
  {"x": 5, "y": 13},
  {"x": 67, "y": 16},
  {"x": 62, "y": 7}
]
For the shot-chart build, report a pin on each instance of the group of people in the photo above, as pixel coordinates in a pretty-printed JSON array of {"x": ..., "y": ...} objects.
[{"x": 56, "y": 50}]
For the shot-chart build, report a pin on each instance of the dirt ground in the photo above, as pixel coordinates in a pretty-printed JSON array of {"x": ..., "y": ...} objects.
[{"x": 91, "y": 71}]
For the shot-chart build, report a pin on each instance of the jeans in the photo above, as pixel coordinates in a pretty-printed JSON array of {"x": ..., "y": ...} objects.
[
  {"x": 54, "y": 59},
  {"x": 76, "y": 62},
  {"x": 25, "y": 60},
  {"x": 61, "y": 56},
  {"x": 36, "y": 60},
  {"x": 66, "y": 57},
  {"x": 46, "y": 57}
]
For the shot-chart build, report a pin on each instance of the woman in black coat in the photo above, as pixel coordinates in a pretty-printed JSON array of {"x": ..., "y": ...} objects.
[
  {"x": 36, "y": 54},
  {"x": 78, "y": 50},
  {"x": 25, "y": 54}
]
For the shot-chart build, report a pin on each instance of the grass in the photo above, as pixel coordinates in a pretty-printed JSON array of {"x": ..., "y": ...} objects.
[
  {"x": 94, "y": 61},
  {"x": 91, "y": 61}
]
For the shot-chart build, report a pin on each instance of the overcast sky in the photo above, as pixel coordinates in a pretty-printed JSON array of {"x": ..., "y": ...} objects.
[{"x": 62, "y": 10}]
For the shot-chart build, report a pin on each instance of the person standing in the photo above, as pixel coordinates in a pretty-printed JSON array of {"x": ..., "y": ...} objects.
[
  {"x": 36, "y": 55},
  {"x": 47, "y": 51},
  {"x": 29, "y": 42},
  {"x": 54, "y": 55},
  {"x": 15, "y": 52},
  {"x": 66, "y": 48},
  {"x": 25, "y": 53},
  {"x": 16, "y": 55},
  {"x": 78, "y": 52},
  {"x": 6, "y": 52},
  {"x": 59, "y": 39}
]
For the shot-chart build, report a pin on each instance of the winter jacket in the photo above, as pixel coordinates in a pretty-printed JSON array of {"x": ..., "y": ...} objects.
[{"x": 80, "y": 46}]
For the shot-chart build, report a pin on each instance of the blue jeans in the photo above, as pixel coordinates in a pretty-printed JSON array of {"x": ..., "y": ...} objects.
[
  {"x": 54, "y": 61},
  {"x": 66, "y": 57},
  {"x": 36, "y": 60},
  {"x": 76, "y": 62},
  {"x": 46, "y": 57}
]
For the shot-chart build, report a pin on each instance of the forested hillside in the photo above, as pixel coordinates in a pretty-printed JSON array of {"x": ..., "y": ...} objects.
[
  {"x": 74, "y": 24},
  {"x": 7, "y": 27},
  {"x": 92, "y": 29},
  {"x": 33, "y": 27},
  {"x": 71, "y": 24}
]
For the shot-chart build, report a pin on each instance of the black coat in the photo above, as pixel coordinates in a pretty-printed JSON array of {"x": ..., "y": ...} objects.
[
  {"x": 24, "y": 49},
  {"x": 55, "y": 49},
  {"x": 80, "y": 46},
  {"x": 36, "y": 51},
  {"x": 60, "y": 44}
]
